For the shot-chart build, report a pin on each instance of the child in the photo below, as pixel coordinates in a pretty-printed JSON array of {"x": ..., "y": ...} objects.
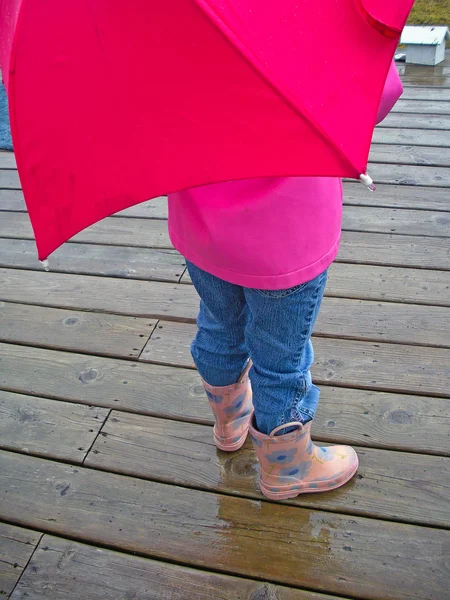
[{"x": 258, "y": 252}]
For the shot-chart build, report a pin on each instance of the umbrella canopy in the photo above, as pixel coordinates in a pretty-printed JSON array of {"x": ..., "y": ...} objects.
[{"x": 114, "y": 102}]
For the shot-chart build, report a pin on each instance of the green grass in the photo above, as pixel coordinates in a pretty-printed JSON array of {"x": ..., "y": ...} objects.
[{"x": 430, "y": 12}]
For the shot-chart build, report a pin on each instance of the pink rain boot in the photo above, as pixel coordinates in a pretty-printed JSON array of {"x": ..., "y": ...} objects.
[
  {"x": 291, "y": 464},
  {"x": 232, "y": 407}
]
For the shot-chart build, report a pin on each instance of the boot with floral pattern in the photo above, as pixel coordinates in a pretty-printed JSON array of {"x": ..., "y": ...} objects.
[
  {"x": 233, "y": 408},
  {"x": 291, "y": 464}
]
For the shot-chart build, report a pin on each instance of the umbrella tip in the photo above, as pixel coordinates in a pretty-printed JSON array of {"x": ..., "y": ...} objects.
[
  {"x": 45, "y": 264},
  {"x": 367, "y": 181}
]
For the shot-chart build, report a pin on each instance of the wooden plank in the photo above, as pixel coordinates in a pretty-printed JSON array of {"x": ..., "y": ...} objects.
[
  {"x": 180, "y": 302},
  {"x": 391, "y": 196},
  {"x": 51, "y": 428},
  {"x": 9, "y": 179},
  {"x": 7, "y": 160},
  {"x": 16, "y": 547},
  {"x": 361, "y": 417},
  {"x": 397, "y": 196},
  {"x": 378, "y": 366},
  {"x": 168, "y": 265},
  {"x": 395, "y": 220},
  {"x": 410, "y": 155},
  {"x": 389, "y": 283},
  {"x": 412, "y": 137},
  {"x": 440, "y": 82},
  {"x": 106, "y": 382},
  {"x": 411, "y": 93},
  {"x": 70, "y": 570},
  {"x": 410, "y": 121},
  {"x": 91, "y": 259},
  {"x": 12, "y": 200},
  {"x": 110, "y": 335},
  {"x": 117, "y": 231},
  {"x": 153, "y": 233},
  {"x": 151, "y": 209},
  {"x": 361, "y": 281},
  {"x": 410, "y": 175},
  {"x": 390, "y": 485},
  {"x": 396, "y": 251},
  {"x": 423, "y": 70},
  {"x": 387, "y": 560},
  {"x": 357, "y": 320},
  {"x": 427, "y": 107},
  {"x": 383, "y": 420}
]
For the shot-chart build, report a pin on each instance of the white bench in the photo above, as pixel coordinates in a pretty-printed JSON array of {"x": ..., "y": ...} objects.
[{"x": 424, "y": 45}]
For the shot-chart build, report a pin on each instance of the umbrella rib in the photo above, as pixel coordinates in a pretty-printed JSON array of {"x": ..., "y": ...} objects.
[{"x": 255, "y": 62}]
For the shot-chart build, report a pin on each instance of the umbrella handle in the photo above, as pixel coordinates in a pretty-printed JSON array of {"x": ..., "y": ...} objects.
[{"x": 367, "y": 181}]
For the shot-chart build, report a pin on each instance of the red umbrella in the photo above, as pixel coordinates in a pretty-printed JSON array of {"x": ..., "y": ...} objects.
[{"x": 114, "y": 102}]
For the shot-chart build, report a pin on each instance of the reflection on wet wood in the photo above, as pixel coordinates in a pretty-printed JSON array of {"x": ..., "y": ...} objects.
[
  {"x": 323, "y": 551},
  {"x": 387, "y": 486},
  {"x": 58, "y": 570}
]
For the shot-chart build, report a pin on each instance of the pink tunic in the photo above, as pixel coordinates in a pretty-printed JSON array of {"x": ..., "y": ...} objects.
[{"x": 271, "y": 233}]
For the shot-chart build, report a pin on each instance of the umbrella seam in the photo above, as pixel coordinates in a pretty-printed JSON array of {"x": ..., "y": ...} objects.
[{"x": 269, "y": 77}]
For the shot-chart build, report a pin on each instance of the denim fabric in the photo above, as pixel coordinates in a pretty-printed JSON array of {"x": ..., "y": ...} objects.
[{"x": 274, "y": 329}]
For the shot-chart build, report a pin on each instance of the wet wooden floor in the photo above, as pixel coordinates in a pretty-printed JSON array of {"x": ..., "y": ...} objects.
[{"x": 110, "y": 485}]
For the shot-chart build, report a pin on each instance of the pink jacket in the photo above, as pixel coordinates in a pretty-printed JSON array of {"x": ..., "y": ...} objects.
[{"x": 271, "y": 233}]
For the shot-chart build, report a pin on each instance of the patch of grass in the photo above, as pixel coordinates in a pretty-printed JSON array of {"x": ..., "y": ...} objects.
[{"x": 430, "y": 12}]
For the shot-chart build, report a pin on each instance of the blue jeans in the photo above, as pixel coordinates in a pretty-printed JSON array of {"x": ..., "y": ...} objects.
[{"x": 273, "y": 328}]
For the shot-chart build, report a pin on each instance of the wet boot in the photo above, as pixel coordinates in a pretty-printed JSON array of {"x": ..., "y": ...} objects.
[
  {"x": 291, "y": 464},
  {"x": 232, "y": 407}
]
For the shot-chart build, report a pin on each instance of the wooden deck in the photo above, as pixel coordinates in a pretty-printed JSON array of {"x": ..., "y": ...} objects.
[{"x": 110, "y": 485}]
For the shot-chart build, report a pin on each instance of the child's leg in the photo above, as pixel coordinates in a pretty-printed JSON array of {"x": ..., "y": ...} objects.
[
  {"x": 278, "y": 335},
  {"x": 219, "y": 348}
]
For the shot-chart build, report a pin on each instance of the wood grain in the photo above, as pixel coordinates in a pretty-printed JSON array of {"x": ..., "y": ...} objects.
[
  {"x": 368, "y": 365},
  {"x": 413, "y": 137},
  {"x": 67, "y": 570},
  {"x": 400, "y": 174},
  {"x": 117, "y": 231},
  {"x": 361, "y": 281},
  {"x": 16, "y": 547},
  {"x": 395, "y": 220},
  {"x": 152, "y": 233},
  {"x": 390, "y": 196},
  {"x": 110, "y": 335},
  {"x": 384, "y": 321},
  {"x": 180, "y": 302},
  {"x": 412, "y": 93},
  {"x": 107, "y": 382},
  {"x": 91, "y": 259},
  {"x": 167, "y": 265},
  {"x": 355, "y": 416},
  {"x": 9, "y": 179},
  {"x": 427, "y": 107},
  {"x": 410, "y": 121},
  {"x": 397, "y": 196},
  {"x": 387, "y": 560},
  {"x": 423, "y": 70},
  {"x": 410, "y": 155},
  {"x": 47, "y": 427},
  {"x": 389, "y": 486}
]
